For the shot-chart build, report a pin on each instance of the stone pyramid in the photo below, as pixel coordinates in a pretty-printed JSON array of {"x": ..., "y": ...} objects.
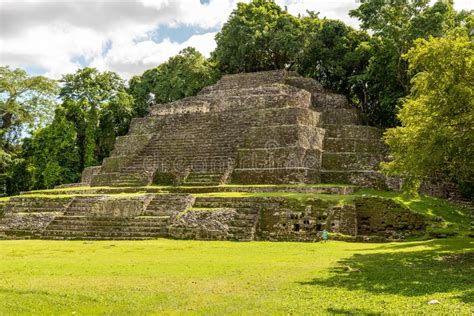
[
  {"x": 254, "y": 128},
  {"x": 260, "y": 128}
]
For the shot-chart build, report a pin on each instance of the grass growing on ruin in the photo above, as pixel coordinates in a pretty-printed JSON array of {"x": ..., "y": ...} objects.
[
  {"x": 431, "y": 207},
  {"x": 455, "y": 218},
  {"x": 289, "y": 195},
  {"x": 216, "y": 278}
]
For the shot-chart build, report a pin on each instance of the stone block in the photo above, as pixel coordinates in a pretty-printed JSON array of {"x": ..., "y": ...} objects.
[
  {"x": 113, "y": 164},
  {"x": 340, "y": 116},
  {"x": 130, "y": 144},
  {"x": 88, "y": 173},
  {"x": 274, "y": 176},
  {"x": 387, "y": 218},
  {"x": 117, "y": 206},
  {"x": 342, "y": 161},
  {"x": 353, "y": 131},
  {"x": 329, "y": 100}
]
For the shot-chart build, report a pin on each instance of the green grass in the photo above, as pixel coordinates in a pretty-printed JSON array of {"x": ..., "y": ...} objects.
[
  {"x": 217, "y": 278},
  {"x": 289, "y": 195}
]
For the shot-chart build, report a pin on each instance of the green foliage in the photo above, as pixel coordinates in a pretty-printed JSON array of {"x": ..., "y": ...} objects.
[
  {"x": 334, "y": 55},
  {"x": 436, "y": 133},
  {"x": 181, "y": 76},
  {"x": 114, "y": 120},
  {"x": 26, "y": 102},
  {"x": 90, "y": 147},
  {"x": 18, "y": 176},
  {"x": 91, "y": 85},
  {"x": 55, "y": 156},
  {"x": 100, "y": 108},
  {"x": 395, "y": 26},
  {"x": 258, "y": 36}
]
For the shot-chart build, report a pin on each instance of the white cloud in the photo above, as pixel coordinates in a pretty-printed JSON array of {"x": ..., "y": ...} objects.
[
  {"x": 333, "y": 9},
  {"x": 59, "y": 36},
  {"x": 56, "y": 35},
  {"x": 129, "y": 58}
]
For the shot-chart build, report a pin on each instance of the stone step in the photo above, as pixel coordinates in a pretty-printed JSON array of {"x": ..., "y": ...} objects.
[
  {"x": 85, "y": 222},
  {"x": 361, "y": 178},
  {"x": 342, "y": 161},
  {"x": 204, "y": 179},
  {"x": 200, "y": 183},
  {"x": 99, "y": 234},
  {"x": 113, "y": 229},
  {"x": 353, "y": 145},
  {"x": 110, "y": 219},
  {"x": 242, "y": 206},
  {"x": 352, "y": 131},
  {"x": 93, "y": 238}
]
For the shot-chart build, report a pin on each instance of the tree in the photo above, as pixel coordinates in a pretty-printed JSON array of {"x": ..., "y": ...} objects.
[
  {"x": 181, "y": 76},
  {"x": 395, "y": 25},
  {"x": 334, "y": 55},
  {"x": 114, "y": 120},
  {"x": 258, "y": 36},
  {"x": 54, "y": 157},
  {"x": 26, "y": 102},
  {"x": 436, "y": 133},
  {"x": 94, "y": 101},
  {"x": 91, "y": 85}
]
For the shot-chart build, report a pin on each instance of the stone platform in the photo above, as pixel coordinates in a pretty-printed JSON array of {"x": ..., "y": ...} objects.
[
  {"x": 261, "y": 213},
  {"x": 257, "y": 156}
]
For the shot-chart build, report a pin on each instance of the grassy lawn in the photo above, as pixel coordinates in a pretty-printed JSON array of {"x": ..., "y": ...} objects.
[{"x": 198, "y": 277}]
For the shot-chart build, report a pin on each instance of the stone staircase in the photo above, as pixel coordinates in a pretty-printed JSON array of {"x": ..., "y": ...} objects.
[
  {"x": 243, "y": 225},
  {"x": 196, "y": 178},
  {"x": 27, "y": 217},
  {"x": 79, "y": 222},
  {"x": 352, "y": 155},
  {"x": 103, "y": 228}
]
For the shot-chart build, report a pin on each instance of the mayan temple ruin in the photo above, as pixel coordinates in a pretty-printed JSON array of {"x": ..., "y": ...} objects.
[{"x": 219, "y": 165}]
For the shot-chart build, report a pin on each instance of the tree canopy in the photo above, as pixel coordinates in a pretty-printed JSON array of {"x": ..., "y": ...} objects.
[
  {"x": 181, "y": 76},
  {"x": 395, "y": 26},
  {"x": 26, "y": 102},
  {"x": 259, "y": 35},
  {"x": 436, "y": 133}
]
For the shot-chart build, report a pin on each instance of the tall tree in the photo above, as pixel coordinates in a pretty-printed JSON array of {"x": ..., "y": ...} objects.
[
  {"x": 436, "y": 133},
  {"x": 395, "y": 25},
  {"x": 181, "y": 76},
  {"x": 90, "y": 99},
  {"x": 54, "y": 153},
  {"x": 258, "y": 36},
  {"x": 26, "y": 102},
  {"x": 334, "y": 54}
]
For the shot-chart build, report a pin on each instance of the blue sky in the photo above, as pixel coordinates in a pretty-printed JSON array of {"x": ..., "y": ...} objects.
[{"x": 55, "y": 37}]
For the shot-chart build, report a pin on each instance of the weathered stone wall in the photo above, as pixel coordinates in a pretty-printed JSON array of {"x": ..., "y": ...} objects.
[
  {"x": 442, "y": 188},
  {"x": 280, "y": 219},
  {"x": 127, "y": 207},
  {"x": 88, "y": 173},
  {"x": 28, "y": 217},
  {"x": 203, "y": 225},
  {"x": 296, "y": 221},
  {"x": 182, "y": 216},
  {"x": 386, "y": 218}
]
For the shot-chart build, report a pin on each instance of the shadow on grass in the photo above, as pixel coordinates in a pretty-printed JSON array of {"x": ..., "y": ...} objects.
[{"x": 443, "y": 266}]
